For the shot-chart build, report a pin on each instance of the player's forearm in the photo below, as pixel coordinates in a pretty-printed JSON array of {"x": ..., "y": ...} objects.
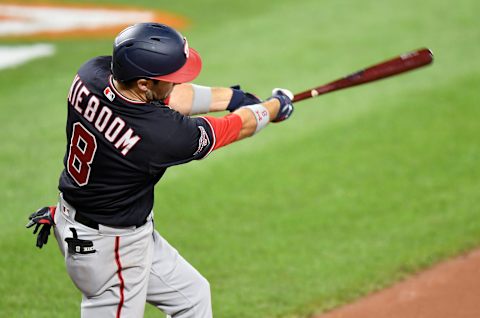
[
  {"x": 249, "y": 120},
  {"x": 189, "y": 100},
  {"x": 242, "y": 123}
]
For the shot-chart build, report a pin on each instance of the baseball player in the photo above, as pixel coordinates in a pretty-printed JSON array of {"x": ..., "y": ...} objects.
[{"x": 128, "y": 121}]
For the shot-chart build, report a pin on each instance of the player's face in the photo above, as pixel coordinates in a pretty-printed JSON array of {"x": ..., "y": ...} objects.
[{"x": 162, "y": 89}]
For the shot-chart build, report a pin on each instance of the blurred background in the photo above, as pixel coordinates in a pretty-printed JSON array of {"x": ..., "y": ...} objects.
[{"x": 359, "y": 189}]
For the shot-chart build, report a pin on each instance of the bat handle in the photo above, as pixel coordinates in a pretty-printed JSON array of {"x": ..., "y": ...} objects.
[
  {"x": 314, "y": 92},
  {"x": 304, "y": 95}
]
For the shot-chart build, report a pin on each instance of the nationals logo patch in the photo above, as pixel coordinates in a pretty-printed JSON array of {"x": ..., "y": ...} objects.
[{"x": 203, "y": 141}]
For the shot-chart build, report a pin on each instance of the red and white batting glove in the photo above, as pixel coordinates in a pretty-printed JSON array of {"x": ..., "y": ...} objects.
[{"x": 43, "y": 217}]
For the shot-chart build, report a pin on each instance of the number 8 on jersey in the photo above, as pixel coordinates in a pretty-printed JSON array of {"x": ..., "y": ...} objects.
[{"x": 82, "y": 150}]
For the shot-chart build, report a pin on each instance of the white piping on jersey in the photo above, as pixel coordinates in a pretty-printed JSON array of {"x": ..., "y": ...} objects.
[{"x": 120, "y": 94}]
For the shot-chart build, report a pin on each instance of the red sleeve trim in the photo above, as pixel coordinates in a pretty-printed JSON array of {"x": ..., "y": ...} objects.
[{"x": 225, "y": 129}]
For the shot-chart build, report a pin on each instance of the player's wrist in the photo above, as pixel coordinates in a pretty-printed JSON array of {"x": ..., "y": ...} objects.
[
  {"x": 240, "y": 98},
  {"x": 261, "y": 114},
  {"x": 284, "y": 97},
  {"x": 273, "y": 106}
]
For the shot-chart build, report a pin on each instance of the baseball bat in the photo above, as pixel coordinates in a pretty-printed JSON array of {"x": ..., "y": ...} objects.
[{"x": 400, "y": 64}]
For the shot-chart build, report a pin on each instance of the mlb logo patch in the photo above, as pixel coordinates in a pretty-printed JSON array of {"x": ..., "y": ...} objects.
[{"x": 109, "y": 94}]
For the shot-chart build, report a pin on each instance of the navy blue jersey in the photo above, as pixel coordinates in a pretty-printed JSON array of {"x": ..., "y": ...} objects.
[{"x": 118, "y": 149}]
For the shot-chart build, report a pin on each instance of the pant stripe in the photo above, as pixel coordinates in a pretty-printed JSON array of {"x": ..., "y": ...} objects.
[{"x": 120, "y": 276}]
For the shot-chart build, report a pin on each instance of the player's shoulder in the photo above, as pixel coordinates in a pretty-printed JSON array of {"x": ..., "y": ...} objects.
[
  {"x": 95, "y": 68},
  {"x": 167, "y": 121},
  {"x": 179, "y": 138},
  {"x": 98, "y": 62},
  {"x": 165, "y": 112},
  {"x": 166, "y": 117}
]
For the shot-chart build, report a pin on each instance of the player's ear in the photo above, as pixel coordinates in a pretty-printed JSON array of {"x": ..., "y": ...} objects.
[{"x": 143, "y": 85}]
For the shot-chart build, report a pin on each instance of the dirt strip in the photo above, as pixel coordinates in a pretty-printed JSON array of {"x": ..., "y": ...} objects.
[{"x": 447, "y": 290}]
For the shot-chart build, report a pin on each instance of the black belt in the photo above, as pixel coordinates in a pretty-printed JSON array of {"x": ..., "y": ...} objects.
[
  {"x": 92, "y": 224},
  {"x": 86, "y": 221}
]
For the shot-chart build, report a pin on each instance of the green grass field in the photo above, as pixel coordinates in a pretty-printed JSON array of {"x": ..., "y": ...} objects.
[{"x": 357, "y": 190}]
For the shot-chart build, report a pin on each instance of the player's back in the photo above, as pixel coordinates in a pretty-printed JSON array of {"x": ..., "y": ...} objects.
[{"x": 118, "y": 149}]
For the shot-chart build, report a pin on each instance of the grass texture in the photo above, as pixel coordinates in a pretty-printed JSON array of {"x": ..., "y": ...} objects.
[{"x": 359, "y": 189}]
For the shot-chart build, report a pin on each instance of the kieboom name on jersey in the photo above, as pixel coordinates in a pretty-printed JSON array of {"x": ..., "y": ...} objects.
[{"x": 100, "y": 118}]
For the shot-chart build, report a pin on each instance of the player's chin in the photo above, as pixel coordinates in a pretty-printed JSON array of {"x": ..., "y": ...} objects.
[{"x": 162, "y": 98}]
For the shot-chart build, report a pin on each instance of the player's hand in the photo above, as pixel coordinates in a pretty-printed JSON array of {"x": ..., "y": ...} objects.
[
  {"x": 241, "y": 98},
  {"x": 42, "y": 218},
  {"x": 285, "y": 97}
]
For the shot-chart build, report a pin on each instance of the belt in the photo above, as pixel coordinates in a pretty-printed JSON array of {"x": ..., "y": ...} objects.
[
  {"x": 86, "y": 221},
  {"x": 92, "y": 224}
]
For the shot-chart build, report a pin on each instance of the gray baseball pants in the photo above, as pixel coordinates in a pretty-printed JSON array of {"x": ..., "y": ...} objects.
[{"x": 130, "y": 266}]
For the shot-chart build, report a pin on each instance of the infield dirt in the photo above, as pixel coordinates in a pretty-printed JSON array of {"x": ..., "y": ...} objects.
[{"x": 447, "y": 290}]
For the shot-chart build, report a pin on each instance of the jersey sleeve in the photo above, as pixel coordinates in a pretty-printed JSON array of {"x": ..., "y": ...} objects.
[
  {"x": 187, "y": 138},
  {"x": 181, "y": 139},
  {"x": 225, "y": 129}
]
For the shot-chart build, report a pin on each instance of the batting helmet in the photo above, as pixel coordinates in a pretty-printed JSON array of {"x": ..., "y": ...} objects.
[{"x": 156, "y": 51}]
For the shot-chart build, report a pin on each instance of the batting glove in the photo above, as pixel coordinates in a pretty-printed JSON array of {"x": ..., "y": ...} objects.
[
  {"x": 285, "y": 97},
  {"x": 42, "y": 218},
  {"x": 241, "y": 98}
]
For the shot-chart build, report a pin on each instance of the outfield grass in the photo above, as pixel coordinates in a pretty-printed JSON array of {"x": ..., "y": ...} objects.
[{"x": 357, "y": 190}]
